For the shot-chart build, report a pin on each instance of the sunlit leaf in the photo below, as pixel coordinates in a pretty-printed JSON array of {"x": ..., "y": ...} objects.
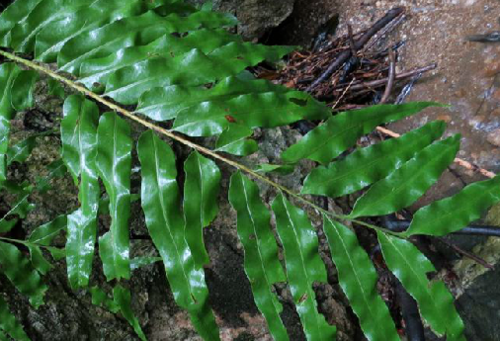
[
  {"x": 304, "y": 266},
  {"x": 409, "y": 182},
  {"x": 160, "y": 199},
  {"x": 234, "y": 140},
  {"x": 262, "y": 266},
  {"x": 358, "y": 280}
]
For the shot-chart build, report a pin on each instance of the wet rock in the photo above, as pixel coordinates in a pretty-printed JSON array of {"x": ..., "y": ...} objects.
[{"x": 256, "y": 16}]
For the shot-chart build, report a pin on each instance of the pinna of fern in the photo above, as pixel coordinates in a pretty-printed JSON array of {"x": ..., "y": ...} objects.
[{"x": 178, "y": 63}]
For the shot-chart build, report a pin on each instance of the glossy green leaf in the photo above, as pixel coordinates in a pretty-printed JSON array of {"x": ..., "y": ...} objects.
[
  {"x": 304, "y": 266},
  {"x": 9, "y": 324},
  {"x": 340, "y": 132},
  {"x": 262, "y": 265},
  {"x": 193, "y": 68},
  {"x": 234, "y": 140},
  {"x": 53, "y": 36},
  {"x": 138, "y": 30},
  {"x": 358, "y": 280},
  {"x": 21, "y": 150},
  {"x": 368, "y": 165},
  {"x": 8, "y": 72},
  {"x": 23, "y": 34},
  {"x": 98, "y": 70},
  {"x": 274, "y": 109},
  {"x": 409, "y": 182},
  {"x": 16, "y": 12},
  {"x": 201, "y": 191},
  {"x": 43, "y": 235},
  {"x": 114, "y": 163},
  {"x": 160, "y": 199},
  {"x": 23, "y": 88},
  {"x": 123, "y": 300},
  {"x": 434, "y": 300},
  {"x": 20, "y": 272},
  {"x": 442, "y": 216},
  {"x": 79, "y": 150},
  {"x": 165, "y": 103}
]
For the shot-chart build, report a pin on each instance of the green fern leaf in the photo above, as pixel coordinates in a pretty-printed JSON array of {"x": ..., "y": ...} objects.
[
  {"x": 160, "y": 200},
  {"x": 368, "y": 165},
  {"x": 15, "y": 13},
  {"x": 98, "y": 70},
  {"x": 358, "y": 280},
  {"x": 201, "y": 187},
  {"x": 262, "y": 266},
  {"x": 114, "y": 165},
  {"x": 53, "y": 36},
  {"x": 304, "y": 266},
  {"x": 8, "y": 73},
  {"x": 20, "y": 272},
  {"x": 234, "y": 140},
  {"x": 9, "y": 324},
  {"x": 21, "y": 150},
  {"x": 193, "y": 68},
  {"x": 43, "y": 235},
  {"x": 211, "y": 118},
  {"x": 434, "y": 300},
  {"x": 100, "y": 299},
  {"x": 79, "y": 150},
  {"x": 409, "y": 182},
  {"x": 20, "y": 207},
  {"x": 22, "y": 89},
  {"x": 166, "y": 103},
  {"x": 123, "y": 300},
  {"x": 442, "y": 217},
  {"x": 340, "y": 132}
]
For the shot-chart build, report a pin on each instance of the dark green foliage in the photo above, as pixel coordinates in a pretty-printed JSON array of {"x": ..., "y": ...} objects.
[{"x": 178, "y": 63}]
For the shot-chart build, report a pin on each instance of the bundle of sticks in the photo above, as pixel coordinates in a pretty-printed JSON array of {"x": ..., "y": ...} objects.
[{"x": 348, "y": 72}]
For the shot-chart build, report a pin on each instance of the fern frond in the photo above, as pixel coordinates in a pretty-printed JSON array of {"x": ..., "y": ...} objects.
[
  {"x": 367, "y": 165},
  {"x": 340, "y": 132},
  {"x": 304, "y": 266},
  {"x": 114, "y": 166},
  {"x": 262, "y": 266},
  {"x": 409, "y": 182},
  {"x": 43, "y": 235},
  {"x": 79, "y": 151},
  {"x": 358, "y": 280},
  {"x": 160, "y": 201},
  {"x": 234, "y": 140},
  {"x": 21, "y": 273},
  {"x": 442, "y": 216},
  {"x": 434, "y": 300},
  {"x": 9, "y": 324},
  {"x": 201, "y": 187}
]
